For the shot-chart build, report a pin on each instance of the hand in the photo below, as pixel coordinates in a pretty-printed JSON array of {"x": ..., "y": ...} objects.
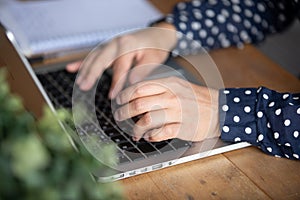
[
  {"x": 170, "y": 108},
  {"x": 146, "y": 46}
]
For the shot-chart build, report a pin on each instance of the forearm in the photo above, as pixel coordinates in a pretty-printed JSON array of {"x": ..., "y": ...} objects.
[
  {"x": 167, "y": 35},
  {"x": 220, "y": 24}
]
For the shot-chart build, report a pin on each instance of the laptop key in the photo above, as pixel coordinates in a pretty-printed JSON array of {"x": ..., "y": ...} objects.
[
  {"x": 59, "y": 86},
  {"x": 122, "y": 158},
  {"x": 177, "y": 144},
  {"x": 134, "y": 156},
  {"x": 148, "y": 149},
  {"x": 119, "y": 139},
  {"x": 126, "y": 146},
  {"x": 163, "y": 146}
]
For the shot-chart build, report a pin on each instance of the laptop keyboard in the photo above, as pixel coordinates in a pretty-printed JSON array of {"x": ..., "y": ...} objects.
[{"x": 59, "y": 87}]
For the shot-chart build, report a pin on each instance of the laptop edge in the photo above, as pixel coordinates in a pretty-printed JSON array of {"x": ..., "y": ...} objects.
[{"x": 21, "y": 79}]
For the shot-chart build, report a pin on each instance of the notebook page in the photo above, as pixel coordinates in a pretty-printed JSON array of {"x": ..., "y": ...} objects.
[{"x": 48, "y": 26}]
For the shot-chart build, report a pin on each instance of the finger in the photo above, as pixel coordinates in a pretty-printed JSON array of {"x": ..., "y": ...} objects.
[
  {"x": 74, "y": 66},
  {"x": 85, "y": 66},
  {"x": 142, "y": 105},
  {"x": 139, "y": 90},
  {"x": 154, "y": 120},
  {"x": 168, "y": 131},
  {"x": 95, "y": 65},
  {"x": 120, "y": 67}
]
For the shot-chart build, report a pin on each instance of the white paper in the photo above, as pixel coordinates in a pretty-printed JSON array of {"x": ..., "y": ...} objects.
[{"x": 48, "y": 26}]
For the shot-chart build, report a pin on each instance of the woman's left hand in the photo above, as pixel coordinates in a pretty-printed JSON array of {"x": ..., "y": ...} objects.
[{"x": 170, "y": 108}]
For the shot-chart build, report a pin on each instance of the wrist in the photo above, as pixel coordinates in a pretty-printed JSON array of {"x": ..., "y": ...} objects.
[
  {"x": 208, "y": 104},
  {"x": 164, "y": 25},
  {"x": 168, "y": 35},
  {"x": 215, "y": 124}
]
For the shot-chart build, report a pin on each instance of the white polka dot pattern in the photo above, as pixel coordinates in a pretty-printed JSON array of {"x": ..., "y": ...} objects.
[
  {"x": 245, "y": 22},
  {"x": 262, "y": 117}
]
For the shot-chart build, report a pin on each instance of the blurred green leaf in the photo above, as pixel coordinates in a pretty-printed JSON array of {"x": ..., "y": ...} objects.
[
  {"x": 37, "y": 160},
  {"x": 28, "y": 156}
]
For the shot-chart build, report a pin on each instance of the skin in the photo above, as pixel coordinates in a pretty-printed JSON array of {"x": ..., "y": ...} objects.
[
  {"x": 169, "y": 107},
  {"x": 138, "y": 48}
]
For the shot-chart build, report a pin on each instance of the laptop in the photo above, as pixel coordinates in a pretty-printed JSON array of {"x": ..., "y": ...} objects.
[{"x": 53, "y": 86}]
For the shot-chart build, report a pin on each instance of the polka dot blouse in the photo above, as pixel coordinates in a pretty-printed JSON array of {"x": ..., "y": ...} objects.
[
  {"x": 220, "y": 24},
  {"x": 262, "y": 117}
]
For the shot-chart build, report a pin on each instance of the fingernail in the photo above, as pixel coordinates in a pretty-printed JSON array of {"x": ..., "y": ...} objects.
[
  {"x": 84, "y": 85},
  {"x": 118, "y": 100},
  {"x": 117, "y": 115}
]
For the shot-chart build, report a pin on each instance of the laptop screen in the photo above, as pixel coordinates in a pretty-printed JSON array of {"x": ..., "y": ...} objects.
[{"x": 20, "y": 75}]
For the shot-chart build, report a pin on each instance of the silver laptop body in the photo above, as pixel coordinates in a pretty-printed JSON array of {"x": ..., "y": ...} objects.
[{"x": 40, "y": 86}]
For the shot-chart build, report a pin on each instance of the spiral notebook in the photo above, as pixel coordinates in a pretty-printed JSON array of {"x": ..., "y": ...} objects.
[{"x": 47, "y": 27}]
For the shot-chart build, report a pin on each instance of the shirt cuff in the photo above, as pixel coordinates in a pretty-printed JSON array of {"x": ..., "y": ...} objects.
[{"x": 237, "y": 115}]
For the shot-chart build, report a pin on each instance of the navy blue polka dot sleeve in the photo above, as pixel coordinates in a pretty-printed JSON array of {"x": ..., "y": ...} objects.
[
  {"x": 262, "y": 117},
  {"x": 219, "y": 24}
]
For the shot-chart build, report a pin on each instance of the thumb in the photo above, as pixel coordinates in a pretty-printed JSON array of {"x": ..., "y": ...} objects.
[
  {"x": 146, "y": 62},
  {"x": 143, "y": 69}
]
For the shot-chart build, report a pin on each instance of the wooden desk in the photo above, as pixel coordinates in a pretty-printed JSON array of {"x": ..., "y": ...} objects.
[{"x": 242, "y": 174}]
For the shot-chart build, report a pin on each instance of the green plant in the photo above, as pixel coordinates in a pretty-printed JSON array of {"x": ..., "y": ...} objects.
[{"x": 37, "y": 160}]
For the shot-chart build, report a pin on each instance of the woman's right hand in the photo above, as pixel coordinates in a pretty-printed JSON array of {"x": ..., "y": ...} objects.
[{"x": 147, "y": 46}]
